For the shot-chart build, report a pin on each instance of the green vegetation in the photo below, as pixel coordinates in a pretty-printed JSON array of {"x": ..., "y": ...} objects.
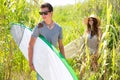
[{"x": 13, "y": 64}]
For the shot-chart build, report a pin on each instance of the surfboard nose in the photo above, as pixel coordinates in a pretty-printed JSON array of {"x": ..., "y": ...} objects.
[{"x": 17, "y": 32}]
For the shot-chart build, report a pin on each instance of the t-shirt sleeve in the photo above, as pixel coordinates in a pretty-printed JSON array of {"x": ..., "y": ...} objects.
[
  {"x": 35, "y": 32},
  {"x": 60, "y": 34}
]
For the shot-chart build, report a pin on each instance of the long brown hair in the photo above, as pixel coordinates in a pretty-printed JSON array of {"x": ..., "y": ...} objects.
[{"x": 95, "y": 27}]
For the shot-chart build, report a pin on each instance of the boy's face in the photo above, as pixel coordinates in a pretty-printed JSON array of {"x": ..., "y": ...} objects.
[{"x": 45, "y": 14}]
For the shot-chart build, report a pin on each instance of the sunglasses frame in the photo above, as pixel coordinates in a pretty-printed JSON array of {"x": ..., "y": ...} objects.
[{"x": 45, "y": 12}]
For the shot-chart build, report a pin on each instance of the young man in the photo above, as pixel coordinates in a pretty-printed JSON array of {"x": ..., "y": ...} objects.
[{"x": 47, "y": 28}]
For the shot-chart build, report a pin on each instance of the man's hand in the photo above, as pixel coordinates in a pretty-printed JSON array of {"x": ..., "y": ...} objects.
[{"x": 32, "y": 67}]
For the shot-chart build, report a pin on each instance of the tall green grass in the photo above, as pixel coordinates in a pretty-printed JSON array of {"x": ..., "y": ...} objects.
[{"x": 13, "y": 64}]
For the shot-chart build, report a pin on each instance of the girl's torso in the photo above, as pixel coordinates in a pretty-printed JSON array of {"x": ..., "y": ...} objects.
[{"x": 92, "y": 42}]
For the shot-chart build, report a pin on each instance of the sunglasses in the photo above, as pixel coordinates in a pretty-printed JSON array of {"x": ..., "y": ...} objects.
[
  {"x": 45, "y": 13},
  {"x": 90, "y": 20}
]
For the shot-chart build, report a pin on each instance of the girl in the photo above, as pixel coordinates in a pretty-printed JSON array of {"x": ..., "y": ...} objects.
[{"x": 93, "y": 36}]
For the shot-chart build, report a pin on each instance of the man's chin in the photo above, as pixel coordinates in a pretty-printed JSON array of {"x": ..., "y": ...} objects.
[{"x": 45, "y": 19}]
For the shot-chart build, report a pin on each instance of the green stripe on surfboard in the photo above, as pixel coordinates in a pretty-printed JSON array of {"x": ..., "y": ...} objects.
[{"x": 56, "y": 51}]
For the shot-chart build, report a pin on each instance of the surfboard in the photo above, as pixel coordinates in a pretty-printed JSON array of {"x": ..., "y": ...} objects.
[
  {"x": 47, "y": 60},
  {"x": 74, "y": 48}
]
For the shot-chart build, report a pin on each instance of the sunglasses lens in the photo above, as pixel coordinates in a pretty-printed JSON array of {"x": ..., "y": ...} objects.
[
  {"x": 45, "y": 13},
  {"x": 40, "y": 13}
]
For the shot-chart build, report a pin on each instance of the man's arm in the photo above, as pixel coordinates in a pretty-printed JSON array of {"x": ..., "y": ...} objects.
[
  {"x": 61, "y": 47},
  {"x": 30, "y": 52}
]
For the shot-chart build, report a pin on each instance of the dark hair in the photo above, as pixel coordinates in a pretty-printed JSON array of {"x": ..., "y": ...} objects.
[
  {"x": 40, "y": 25},
  {"x": 95, "y": 26},
  {"x": 47, "y": 5}
]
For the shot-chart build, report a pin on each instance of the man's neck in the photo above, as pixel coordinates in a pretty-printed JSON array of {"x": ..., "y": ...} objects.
[{"x": 49, "y": 22}]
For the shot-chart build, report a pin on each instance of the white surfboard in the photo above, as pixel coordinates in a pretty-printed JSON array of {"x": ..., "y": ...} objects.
[
  {"x": 48, "y": 62},
  {"x": 74, "y": 48}
]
